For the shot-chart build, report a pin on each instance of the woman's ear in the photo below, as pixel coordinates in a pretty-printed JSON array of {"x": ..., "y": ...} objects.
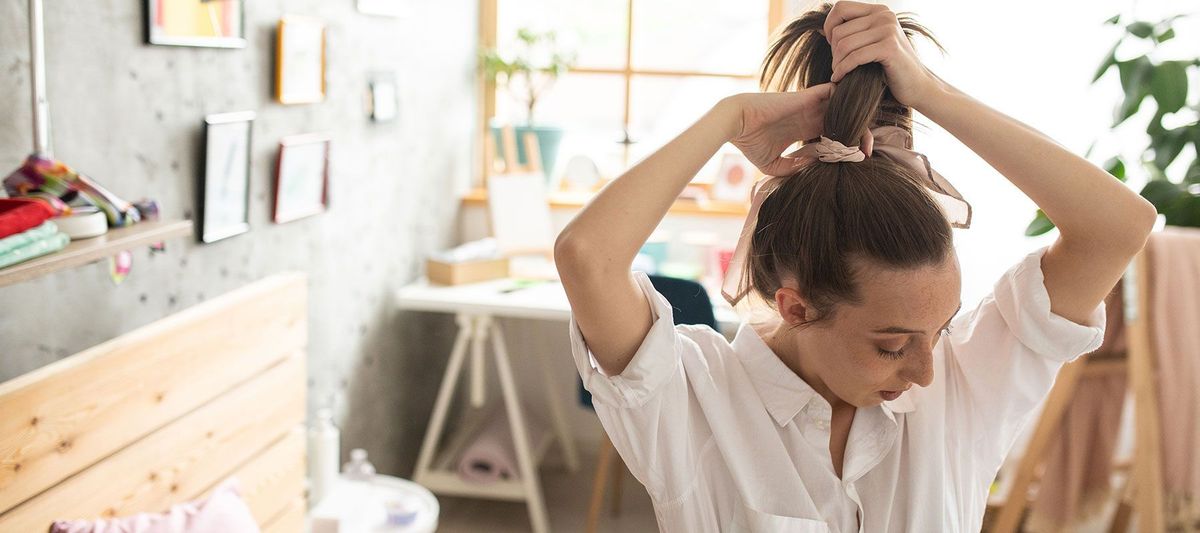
[{"x": 793, "y": 308}]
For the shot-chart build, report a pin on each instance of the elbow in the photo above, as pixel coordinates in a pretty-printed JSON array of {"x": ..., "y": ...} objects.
[
  {"x": 567, "y": 251},
  {"x": 1141, "y": 222}
]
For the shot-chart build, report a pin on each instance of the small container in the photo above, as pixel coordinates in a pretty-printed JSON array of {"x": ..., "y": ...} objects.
[
  {"x": 400, "y": 513},
  {"x": 358, "y": 468},
  {"x": 443, "y": 273},
  {"x": 323, "y": 439}
]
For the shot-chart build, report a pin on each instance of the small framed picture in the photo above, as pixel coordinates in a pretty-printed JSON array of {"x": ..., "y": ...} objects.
[
  {"x": 734, "y": 179},
  {"x": 302, "y": 177},
  {"x": 224, "y": 199},
  {"x": 206, "y": 23},
  {"x": 382, "y": 100},
  {"x": 383, "y": 8},
  {"x": 300, "y": 60}
]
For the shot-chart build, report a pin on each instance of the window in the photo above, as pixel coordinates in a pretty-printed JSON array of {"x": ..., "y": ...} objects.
[{"x": 632, "y": 91}]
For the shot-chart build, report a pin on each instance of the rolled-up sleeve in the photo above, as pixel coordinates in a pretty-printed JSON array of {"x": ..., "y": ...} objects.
[
  {"x": 656, "y": 360},
  {"x": 648, "y": 410},
  {"x": 1002, "y": 359}
]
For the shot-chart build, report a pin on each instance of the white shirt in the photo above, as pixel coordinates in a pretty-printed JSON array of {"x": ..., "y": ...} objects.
[{"x": 726, "y": 438}]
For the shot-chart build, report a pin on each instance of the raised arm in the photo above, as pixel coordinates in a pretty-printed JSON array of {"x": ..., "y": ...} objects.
[
  {"x": 595, "y": 251},
  {"x": 1102, "y": 223}
]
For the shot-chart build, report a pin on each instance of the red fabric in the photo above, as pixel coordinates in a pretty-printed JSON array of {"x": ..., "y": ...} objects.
[{"x": 21, "y": 214}]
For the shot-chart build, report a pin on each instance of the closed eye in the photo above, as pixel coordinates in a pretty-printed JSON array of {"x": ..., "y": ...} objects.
[{"x": 888, "y": 354}]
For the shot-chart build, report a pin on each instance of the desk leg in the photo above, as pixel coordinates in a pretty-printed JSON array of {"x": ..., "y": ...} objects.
[
  {"x": 516, "y": 421},
  {"x": 558, "y": 417},
  {"x": 478, "y": 370},
  {"x": 466, "y": 330}
]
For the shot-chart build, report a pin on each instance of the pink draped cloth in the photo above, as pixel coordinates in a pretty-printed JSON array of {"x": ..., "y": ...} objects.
[
  {"x": 223, "y": 510},
  {"x": 1077, "y": 481},
  {"x": 1174, "y": 284}
]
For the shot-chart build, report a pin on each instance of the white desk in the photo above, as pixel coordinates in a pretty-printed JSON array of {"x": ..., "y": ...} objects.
[{"x": 475, "y": 306}]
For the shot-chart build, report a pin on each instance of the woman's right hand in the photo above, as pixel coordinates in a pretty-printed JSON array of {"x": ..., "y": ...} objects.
[{"x": 770, "y": 122}]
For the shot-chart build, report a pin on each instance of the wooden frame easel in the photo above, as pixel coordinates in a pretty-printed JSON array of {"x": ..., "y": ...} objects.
[
  {"x": 1143, "y": 491},
  {"x": 508, "y": 147}
]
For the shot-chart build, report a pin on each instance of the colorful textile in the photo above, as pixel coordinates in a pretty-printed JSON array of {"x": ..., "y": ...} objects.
[
  {"x": 35, "y": 248},
  {"x": 21, "y": 214},
  {"x": 60, "y": 185}
]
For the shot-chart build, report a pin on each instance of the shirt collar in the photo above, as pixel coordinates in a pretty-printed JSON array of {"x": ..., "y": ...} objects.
[{"x": 782, "y": 391}]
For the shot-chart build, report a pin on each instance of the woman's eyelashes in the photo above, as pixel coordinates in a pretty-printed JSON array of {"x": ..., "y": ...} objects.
[{"x": 897, "y": 354}]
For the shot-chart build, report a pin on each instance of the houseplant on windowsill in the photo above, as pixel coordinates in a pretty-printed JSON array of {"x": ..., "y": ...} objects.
[
  {"x": 1166, "y": 82},
  {"x": 526, "y": 72}
]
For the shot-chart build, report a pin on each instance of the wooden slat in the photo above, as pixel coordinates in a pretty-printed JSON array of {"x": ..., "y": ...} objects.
[
  {"x": 290, "y": 520},
  {"x": 576, "y": 200},
  {"x": 274, "y": 477},
  {"x": 63, "y": 417},
  {"x": 182, "y": 459},
  {"x": 1147, "y": 463},
  {"x": 84, "y": 251}
]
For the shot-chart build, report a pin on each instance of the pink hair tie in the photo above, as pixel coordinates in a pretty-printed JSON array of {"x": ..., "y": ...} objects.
[{"x": 831, "y": 151}]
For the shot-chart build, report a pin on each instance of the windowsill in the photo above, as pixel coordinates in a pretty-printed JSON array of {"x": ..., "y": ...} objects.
[{"x": 575, "y": 200}]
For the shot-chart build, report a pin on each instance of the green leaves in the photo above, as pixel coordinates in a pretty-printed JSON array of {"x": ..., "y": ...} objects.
[
  {"x": 1134, "y": 74},
  {"x": 1140, "y": 29},
  {"x": 1169, "y": 85},
  {"x": 1040, "y": 225}
]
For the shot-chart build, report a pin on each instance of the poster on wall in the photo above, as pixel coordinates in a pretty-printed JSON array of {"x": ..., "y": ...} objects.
[
  {"x": 302, "y": 176},
  {"x": 224, "y": 209},
  {"x": 300, "y": 60},
  {"x": 206, "y": 23}
]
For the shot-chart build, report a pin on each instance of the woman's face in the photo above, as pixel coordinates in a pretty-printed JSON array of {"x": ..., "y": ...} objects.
[{"x": 873, "y": 351}]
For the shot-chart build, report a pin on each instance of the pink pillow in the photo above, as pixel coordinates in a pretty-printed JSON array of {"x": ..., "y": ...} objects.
[{"x": 223, "y": 511}]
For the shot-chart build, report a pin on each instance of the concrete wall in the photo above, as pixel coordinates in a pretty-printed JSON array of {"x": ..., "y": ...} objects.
[{"x": 130, "y": 115}]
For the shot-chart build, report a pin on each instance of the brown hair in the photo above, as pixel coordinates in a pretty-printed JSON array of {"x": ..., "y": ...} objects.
[{"x": 826, "y": 216}]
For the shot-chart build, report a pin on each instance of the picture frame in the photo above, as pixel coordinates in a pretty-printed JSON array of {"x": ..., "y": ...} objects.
[
  {"x": 735, "y": 179},
  {"x": 199, "y": 23},
  {"x": 300, "y": 60},
  {"x": 383, "y": 8},
  {"x": 301, "y": 177},
  {"x": 382, "y": 97},
  {"x": 223, "y": 208}
]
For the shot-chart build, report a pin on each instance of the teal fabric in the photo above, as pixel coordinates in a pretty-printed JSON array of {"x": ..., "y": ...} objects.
[
  {"x": 36, "y": 248},
  {"x": 13, "y": 242}
]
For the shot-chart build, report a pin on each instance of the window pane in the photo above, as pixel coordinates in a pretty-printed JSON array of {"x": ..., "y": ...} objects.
[
  {"x": 662, "y": 107},
  {"x": 594, "y": 30},
  {"x": 699, "y": 35},
  {"x": 589, "y": 107}
]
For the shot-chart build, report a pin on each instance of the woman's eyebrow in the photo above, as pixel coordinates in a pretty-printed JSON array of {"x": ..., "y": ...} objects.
[{"x": 898, "y": 329}]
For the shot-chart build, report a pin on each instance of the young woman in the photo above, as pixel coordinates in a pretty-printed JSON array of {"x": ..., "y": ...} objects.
[{"x": 845, "y": 413}]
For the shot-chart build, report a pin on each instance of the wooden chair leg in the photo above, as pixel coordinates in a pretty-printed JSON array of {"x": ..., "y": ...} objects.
[
  {"x": 618, "y": 468},
  {"x": 1124, "y": 513},
  {"x": 598, "y": 483}
]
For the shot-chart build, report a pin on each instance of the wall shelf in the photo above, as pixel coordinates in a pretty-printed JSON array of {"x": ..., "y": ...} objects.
[{"x": 85, "y": 251}]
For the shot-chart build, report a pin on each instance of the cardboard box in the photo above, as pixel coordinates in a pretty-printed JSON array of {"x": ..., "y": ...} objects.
[{"x": 443, "y": 273}]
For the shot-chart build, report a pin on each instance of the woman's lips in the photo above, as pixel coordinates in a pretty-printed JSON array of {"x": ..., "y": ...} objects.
[{"x": 889, "y": 395}]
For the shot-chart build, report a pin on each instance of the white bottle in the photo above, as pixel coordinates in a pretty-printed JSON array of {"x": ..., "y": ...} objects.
[{"x": 322, "y": 456}]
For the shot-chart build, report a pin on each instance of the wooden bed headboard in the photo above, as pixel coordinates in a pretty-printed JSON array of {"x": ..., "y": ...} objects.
[{"x": 162, "y": 414}]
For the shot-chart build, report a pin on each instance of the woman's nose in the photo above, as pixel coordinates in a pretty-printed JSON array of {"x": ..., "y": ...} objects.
[{"x": 919, "y": 370}]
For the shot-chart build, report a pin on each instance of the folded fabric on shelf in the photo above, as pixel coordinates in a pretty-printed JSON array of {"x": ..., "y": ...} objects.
[
  {"x": 21, "y": 214},
  {"x": 36, "y": 246},
  {"x": 46, "y": 229}
]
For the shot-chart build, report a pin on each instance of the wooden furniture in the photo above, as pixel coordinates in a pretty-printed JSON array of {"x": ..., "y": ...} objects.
[
  {"x": 162, "y": 414},
  {"x": 1143, "y": 493},
  {"x": 84, "y": 251}
]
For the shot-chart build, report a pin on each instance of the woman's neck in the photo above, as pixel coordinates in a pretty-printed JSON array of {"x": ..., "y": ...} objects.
[{"x": 782, "y": 340}]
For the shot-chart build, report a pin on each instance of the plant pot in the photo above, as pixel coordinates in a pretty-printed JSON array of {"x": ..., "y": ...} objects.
[{"x": 548, "y": 137}]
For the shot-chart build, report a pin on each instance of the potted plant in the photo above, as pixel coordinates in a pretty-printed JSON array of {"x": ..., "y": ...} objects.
[
  {"x": 1166, "y": 82},
  {"x": 526, "y": 72}
]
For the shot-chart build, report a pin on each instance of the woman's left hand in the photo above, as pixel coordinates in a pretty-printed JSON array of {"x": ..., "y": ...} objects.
[{"x": 870, "y": 33}]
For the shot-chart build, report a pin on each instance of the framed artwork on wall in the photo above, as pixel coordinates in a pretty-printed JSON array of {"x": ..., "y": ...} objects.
[
  {"x": 734, "y": 179},
  {"x": 224, "y": 192},
  {"x": 383, "y": 8},
  {"x": 205, "y": 23},
  {"x": 382, "y": 97},
  {"x": 302, "y": 176},
  {"x": 300, "y": 60}
]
